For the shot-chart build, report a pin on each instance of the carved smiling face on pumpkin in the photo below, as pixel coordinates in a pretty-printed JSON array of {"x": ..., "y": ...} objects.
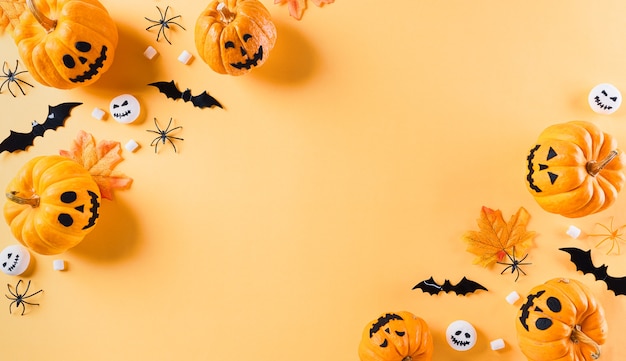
[
  {"x": 80, "y": 209},
  {"x": 84, "y": 61},
  {"x": 244, "y": 53},
  {"x": 555, "y": 167}
]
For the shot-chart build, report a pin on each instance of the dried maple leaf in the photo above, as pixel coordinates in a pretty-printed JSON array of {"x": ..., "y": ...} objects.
[
  {"x": 497, "y": 237},
  {"x": 297, "y": 7},
  {"x": 99, "y": 159}
]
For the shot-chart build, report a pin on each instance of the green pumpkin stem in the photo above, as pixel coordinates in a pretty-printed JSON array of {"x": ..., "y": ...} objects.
[
  {"x": 13, "y": 197},
  {"x": 227, "y": 15},
  {"x": 594, "y": 167},
  {"x": 48, "y": 24}
]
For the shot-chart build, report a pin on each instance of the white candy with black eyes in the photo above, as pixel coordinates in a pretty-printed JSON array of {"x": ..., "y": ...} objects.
[
  {"x": 605, "y": 98},
  {"x": 14, "y": 260},
  {"x": 461, "y": 335},
  {"x": 124, "y": 108}
]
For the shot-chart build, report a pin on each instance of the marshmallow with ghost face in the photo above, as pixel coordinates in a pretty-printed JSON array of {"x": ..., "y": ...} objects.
[
  {"x": 461, "y": 335},
  {"x": 604, "y": 98},
  {"x": 124, "y": 108},
  {"x": 14, "y": 260}
]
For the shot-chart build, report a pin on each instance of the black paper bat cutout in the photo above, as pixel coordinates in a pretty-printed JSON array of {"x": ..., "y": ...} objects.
[
  {"x": 462, "y": 288},
  {"x": 56, "y": 118},
  {"x": 204, "y": 100},
  {"x": 583, "y": 262}
]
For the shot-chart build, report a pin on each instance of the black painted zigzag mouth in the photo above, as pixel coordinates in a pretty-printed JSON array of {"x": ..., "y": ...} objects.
[
  {"x": 531, "y": 171},
  {"x": 122, "y": 115},
  {"x": 601, "y": 104},
  {"x": 93, "y": 67},
  {"x": 250, "y": 62}
]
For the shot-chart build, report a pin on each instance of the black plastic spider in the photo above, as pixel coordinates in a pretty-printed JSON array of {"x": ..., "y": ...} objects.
[
  {"x": 163, "y": 135},
  {"x": 11, "y": 77},
  {"x": 163, "y": 23},
  {"x": 18, "y": 299},
  {"x": 515, "y": 264}
]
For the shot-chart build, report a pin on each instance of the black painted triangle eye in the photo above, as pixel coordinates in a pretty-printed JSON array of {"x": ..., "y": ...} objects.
[
  {"x": 9, "y": 255},
  {"x": 551, "y": 154},
  {"x": 387, "y": 330},
  {"x": 613, "y": 99},
  {"x": 553, "y": 177}
]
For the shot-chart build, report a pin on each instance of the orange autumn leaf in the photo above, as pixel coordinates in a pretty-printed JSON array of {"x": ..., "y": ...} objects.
[
  {"x": 297, "y": 7},
  {"x": 497, "y": 237},
  {"x": 99, "y": 159}
]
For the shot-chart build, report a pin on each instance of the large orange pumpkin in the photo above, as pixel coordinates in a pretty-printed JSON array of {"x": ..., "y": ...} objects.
[
  {"x": 234, "y": 36},
  {"x": 396, "y": 336},
  {"x": 575, "y": 169},
  {"x": 52, "y": 205},
  {"x": 66, "y": 43},
  {"x": 561, "y": 320}
]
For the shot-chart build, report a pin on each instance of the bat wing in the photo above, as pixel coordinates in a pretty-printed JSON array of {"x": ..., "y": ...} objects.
[
  {"x": 616, "y": 284},
  {"x": 17, "y": 141},
  {"x": 56, "y": 118},
  {"x": 57, "y": 115},
  {"x": 582, "y": 260},
  {"x": 466, "y": 286},
  {"x": 429, "y": 286},
  {"x": 168, "y": 88},
  {"x": 204, "y": 100}
]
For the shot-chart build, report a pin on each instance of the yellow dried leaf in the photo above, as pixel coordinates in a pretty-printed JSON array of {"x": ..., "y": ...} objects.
[
  {"x": 99, "y": 159},
  {"x": 496, "y": 237}
]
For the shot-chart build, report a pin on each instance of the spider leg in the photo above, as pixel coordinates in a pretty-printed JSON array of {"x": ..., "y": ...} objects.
[
  {"x": 31, "y": 295},
  {"x": 4, "y": 68},
  {"x": 602, "y": 241},
  {"x": 19, "y": 86},
  {"x": 4, "y": 82},
  {"x": 162, "y": 30},
  {"x": 11, "y": 306},
  {"x": 172, "y": 143},
  {"x": 151, "y": 26},
  {"x": 504, "y": 270}
]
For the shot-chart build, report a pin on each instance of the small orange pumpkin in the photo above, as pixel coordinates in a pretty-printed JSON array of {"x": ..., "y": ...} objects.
[
  {"x": 396, "y": 336},
  {"x": 53, "y": 204},
  {"x": 561, "y": 320},
  {"x": 234, "y": 36},
  {"x": 575, "y": 169},
  {"x": 66, "y": 43}
]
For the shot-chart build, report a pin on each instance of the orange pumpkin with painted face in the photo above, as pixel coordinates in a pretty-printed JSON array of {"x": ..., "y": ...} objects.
[
  {"x": 575, "y": 169},
  {"x": 235, "y": 36},
  {"x": 396, "y": 336},
  {"x": 66, "y": 43}
]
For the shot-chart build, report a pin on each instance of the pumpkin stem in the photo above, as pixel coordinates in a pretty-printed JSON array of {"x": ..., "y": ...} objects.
[
  {"x": 408, "y": 358},
  {"x": 33, "y": 202},
  {"x": 579, "y": 336},
  {"x": 227, "y": 15},
  {"x": 594, "y": 167},
  {"x": 48, "y": 24}
]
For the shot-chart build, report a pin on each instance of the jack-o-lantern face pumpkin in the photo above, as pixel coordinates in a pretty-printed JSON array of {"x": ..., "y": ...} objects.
[
  {"x": 234, "y": 36},
  {"x": 561, "y": 319},
  {"x": 395, "y": 336},
  {"x": 66, "y": 43},
  {"x": 575, "y": 169},
  {"x": 53, "y": 204}
]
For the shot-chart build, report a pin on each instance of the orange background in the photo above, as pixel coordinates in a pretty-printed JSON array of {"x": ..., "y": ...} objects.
[{"x": 337, "y": 176}]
